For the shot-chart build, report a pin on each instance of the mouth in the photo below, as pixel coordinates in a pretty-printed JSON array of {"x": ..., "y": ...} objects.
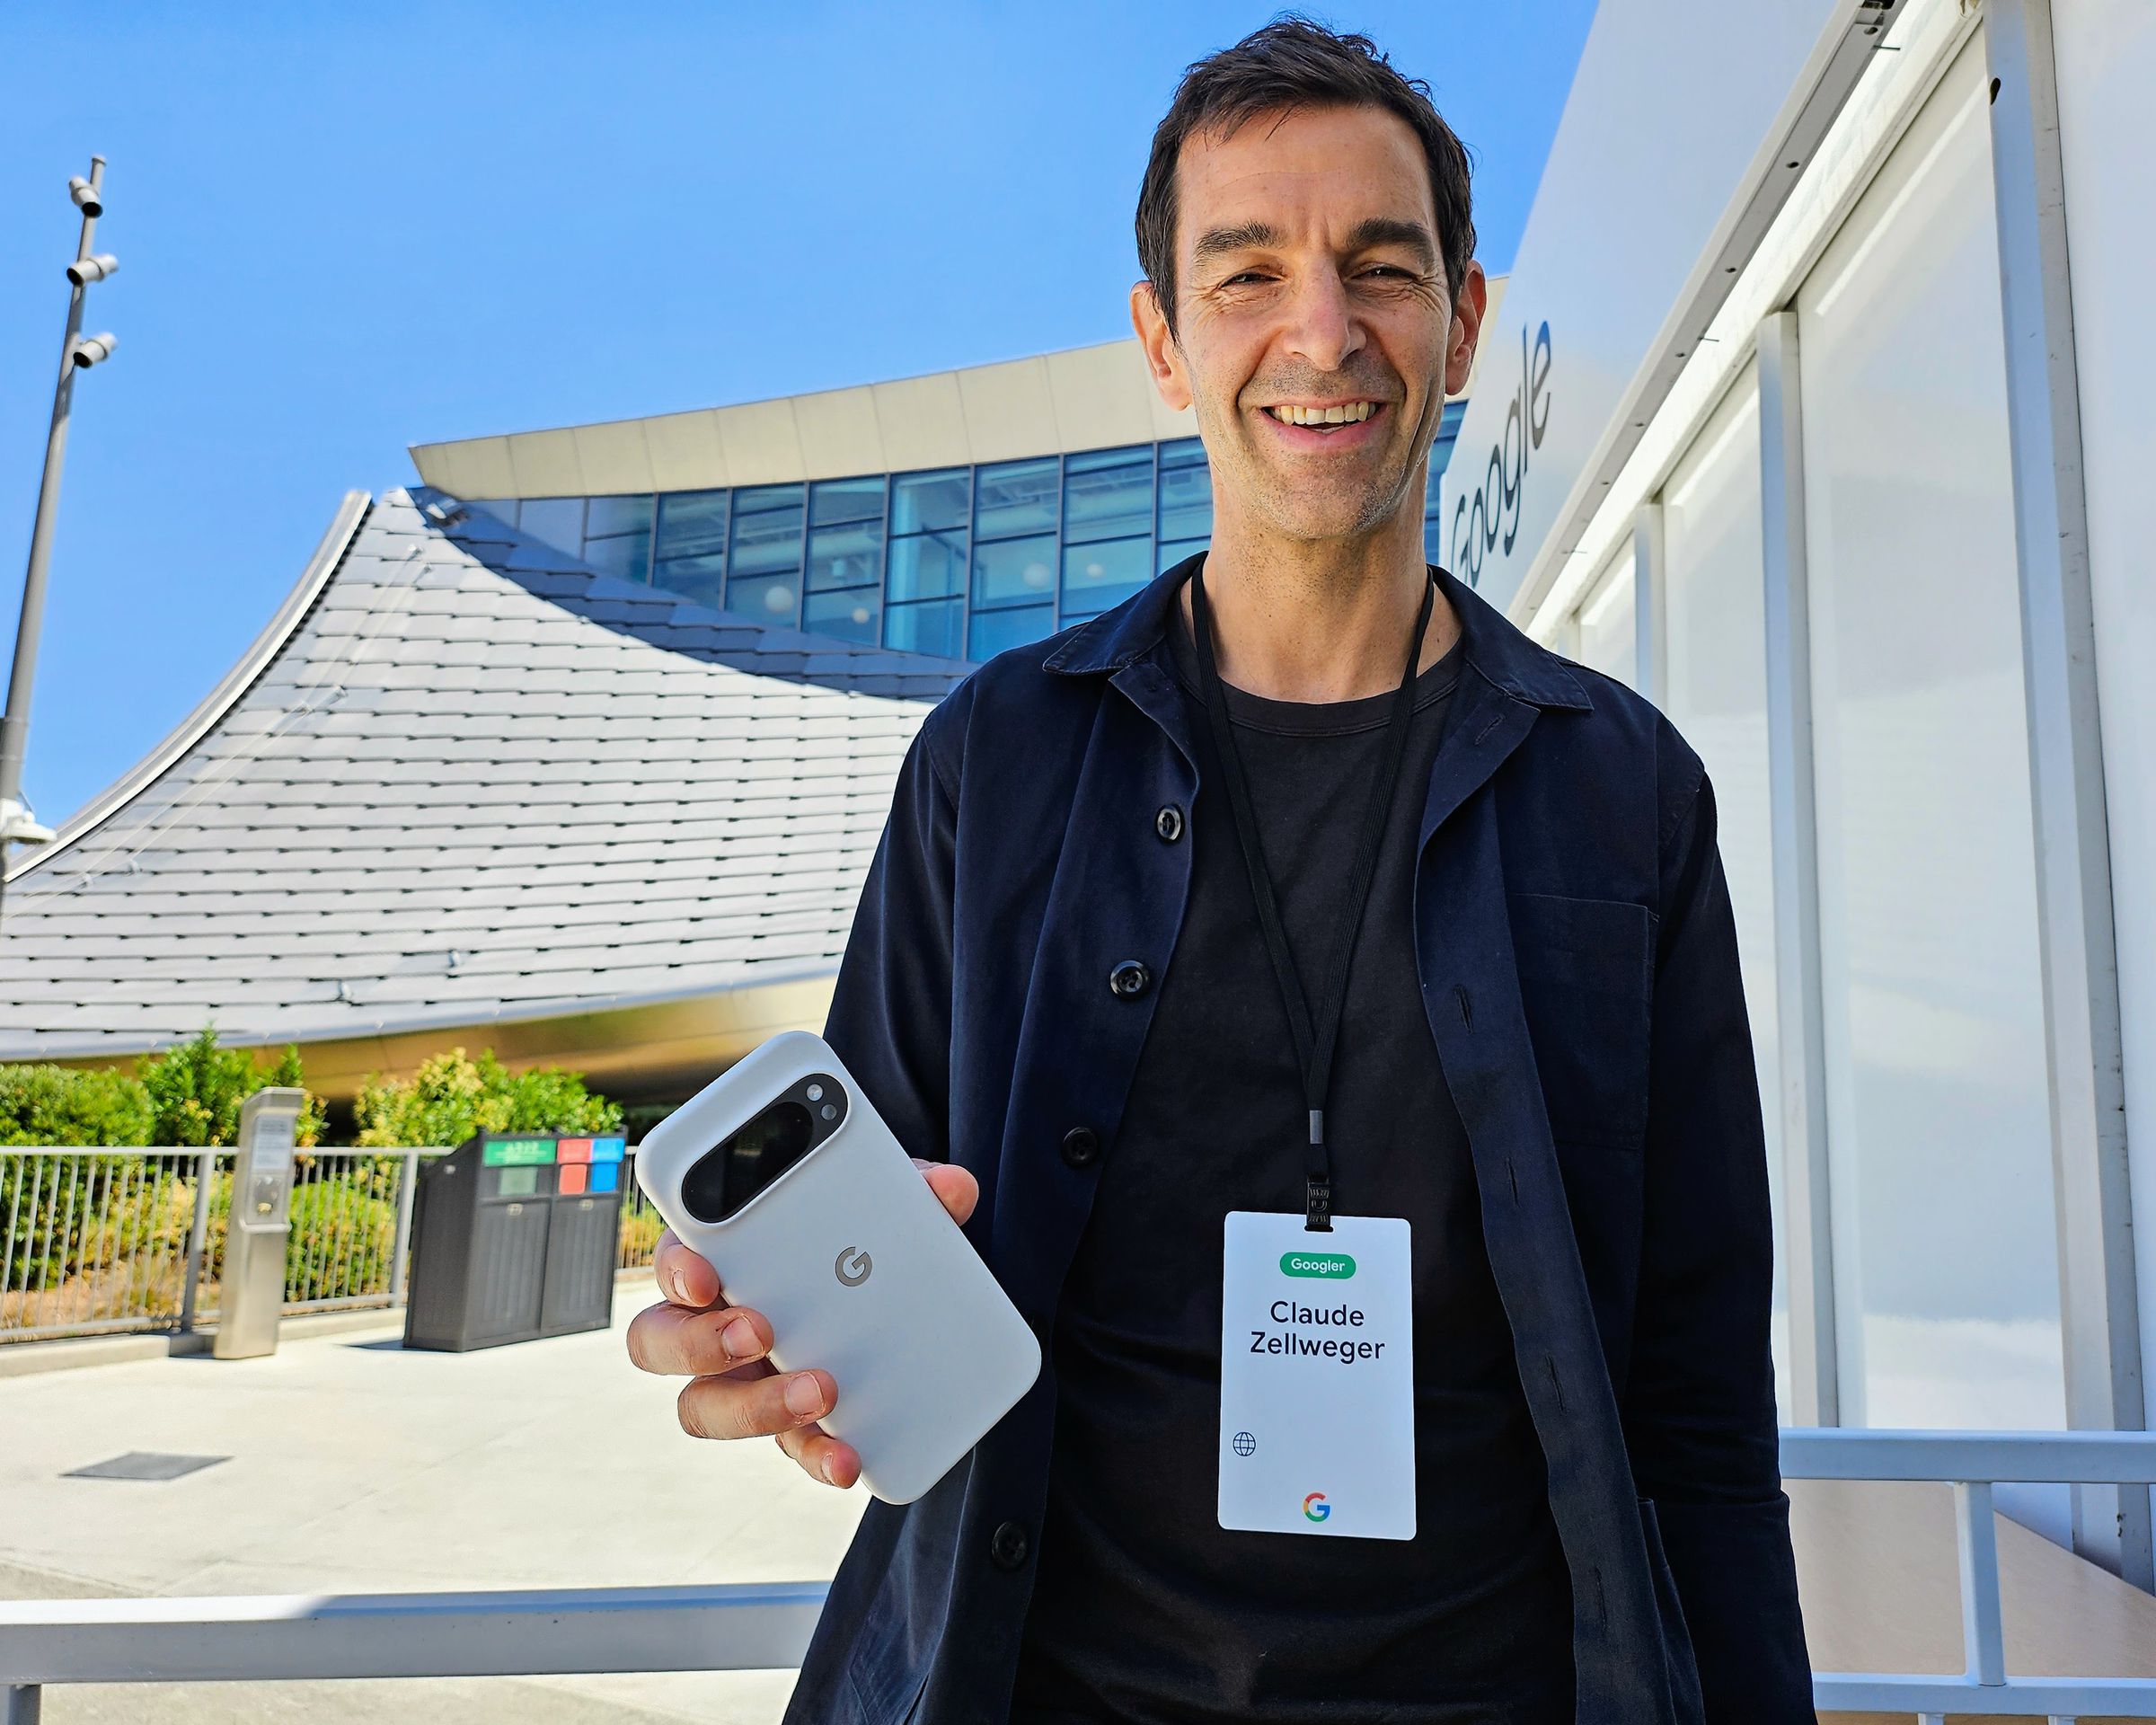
[{"x": 1331, "y": 417}]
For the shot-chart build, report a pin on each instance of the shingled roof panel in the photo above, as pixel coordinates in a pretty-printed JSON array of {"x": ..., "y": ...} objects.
[{"x": 465, "y": 774}]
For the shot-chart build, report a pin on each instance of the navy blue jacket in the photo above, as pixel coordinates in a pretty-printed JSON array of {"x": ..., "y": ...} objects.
[{"x": 1578, "y": 962}]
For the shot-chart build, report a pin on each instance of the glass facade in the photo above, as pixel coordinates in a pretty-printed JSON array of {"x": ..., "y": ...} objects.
[
  {"x": 1940, "y": 1215},
  {"x": 958, "y": 562},
  {"x": 1715, "y": 599},
  {"x": 1946, "y": 1244}
]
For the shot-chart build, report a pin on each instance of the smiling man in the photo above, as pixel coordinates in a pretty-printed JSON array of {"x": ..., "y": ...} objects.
[{"x": 1320, "y": 1005}]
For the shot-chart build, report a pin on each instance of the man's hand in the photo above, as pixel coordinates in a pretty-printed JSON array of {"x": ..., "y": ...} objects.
[{"x": 734, "y": 1391}]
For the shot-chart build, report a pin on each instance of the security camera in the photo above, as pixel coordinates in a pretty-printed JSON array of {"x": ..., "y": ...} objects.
[
  {"x": 85, "y": 196},
  {"x": 87, "y": 269},
  {"x": 92, "y": 348}
]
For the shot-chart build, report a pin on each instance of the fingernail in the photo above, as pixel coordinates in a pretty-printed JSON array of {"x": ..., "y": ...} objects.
[
  {"x": 804, "y": 1397},
  {"x": 739, "y": 1340},
  {"x": 674, "y": 1288},
  {"x": 830, "y": 1477}
]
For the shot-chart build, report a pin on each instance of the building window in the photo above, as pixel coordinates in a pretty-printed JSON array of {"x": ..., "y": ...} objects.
[
  {"x": 553, "y": 521},
  {"x": 617, "y": 537},
  {"x": 845, "y": 559},
  {"x": 764, "y": 555},
  {"x": 689, "y": 547},
  {"x": 960, "y": 563},
  {"x": 924, "y": 580},
  {"x": 1015, "y": 509},
  {"x": 1107, "y": 528},
  {"x": 1186, "y": 520}
]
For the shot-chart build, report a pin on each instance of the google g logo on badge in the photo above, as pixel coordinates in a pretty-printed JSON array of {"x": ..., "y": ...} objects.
[{"x": 1315, "y": 1507}]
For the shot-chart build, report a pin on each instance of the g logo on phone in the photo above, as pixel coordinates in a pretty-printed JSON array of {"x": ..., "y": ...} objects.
[{"x": 852, "y": 1267}]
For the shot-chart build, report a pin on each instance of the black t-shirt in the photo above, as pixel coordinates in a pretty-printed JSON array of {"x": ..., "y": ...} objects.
[{"x": 1145, "y": 1608}]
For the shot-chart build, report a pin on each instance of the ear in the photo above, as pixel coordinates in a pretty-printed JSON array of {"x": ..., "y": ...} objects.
[
  {"x": 1163, "y": 358},
  {"x": 1466, "y": 329}
]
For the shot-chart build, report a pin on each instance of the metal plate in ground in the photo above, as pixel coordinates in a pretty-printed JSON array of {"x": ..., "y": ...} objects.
[{"x": 144, "y": 1464}]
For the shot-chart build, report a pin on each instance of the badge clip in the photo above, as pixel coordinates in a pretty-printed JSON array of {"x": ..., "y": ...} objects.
[{"x": 1317, "y": 1208}]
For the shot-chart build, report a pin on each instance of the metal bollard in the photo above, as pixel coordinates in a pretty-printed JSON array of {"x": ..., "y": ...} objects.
[{"x": 258, "y": 1225}]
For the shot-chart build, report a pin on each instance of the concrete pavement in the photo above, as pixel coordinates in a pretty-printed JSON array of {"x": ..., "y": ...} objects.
[{"x": 355, "y": 1466}]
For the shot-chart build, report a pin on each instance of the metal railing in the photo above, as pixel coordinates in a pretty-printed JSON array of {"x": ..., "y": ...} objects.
[
  {"x": 758, "y": 1626},
  {"x": 1972, "y": 1462},
  {"x": 766, "y": 1626},
  {"x": 98, "y": 1241}
]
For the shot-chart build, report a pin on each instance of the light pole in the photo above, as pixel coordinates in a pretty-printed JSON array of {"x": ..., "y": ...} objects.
[{"x": 77, "y": 354}]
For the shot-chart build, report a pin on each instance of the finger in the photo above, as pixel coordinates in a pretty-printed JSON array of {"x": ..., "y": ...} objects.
[
  {"x": 723, "y": 1407},
  {"x": 821, "y": 1456},
  {"x": 685, "y": 1276},
  {"x": 678, "y": 1340},
  {"x": 954, "y": 1185}
]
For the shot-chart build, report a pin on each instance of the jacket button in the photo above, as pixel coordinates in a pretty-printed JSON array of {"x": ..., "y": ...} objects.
[
  {"x": 1168, "y": 822},
  {"x": 1082, "y": 1147},
  {"x": 1009, "y": 1545},
  {"x": 1129, "y": 979}
]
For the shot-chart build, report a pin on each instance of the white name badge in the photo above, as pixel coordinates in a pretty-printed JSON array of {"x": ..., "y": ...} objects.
[{"x": 1317, "y": 1377}]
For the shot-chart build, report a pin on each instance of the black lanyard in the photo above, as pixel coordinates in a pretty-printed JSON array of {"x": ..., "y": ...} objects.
[{"x": 1316, "y": 1037}]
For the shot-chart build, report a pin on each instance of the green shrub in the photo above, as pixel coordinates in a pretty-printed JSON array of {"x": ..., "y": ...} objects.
[
  {"x": 196, "y": 1091},
  {"x": 344, "y": 1234},
  {"x": 59, "y": 1105},
  {"x": 80, "y": 1216},
  {"x": 102, "y": 1218},
  {"x": 450, "y": 1098}
]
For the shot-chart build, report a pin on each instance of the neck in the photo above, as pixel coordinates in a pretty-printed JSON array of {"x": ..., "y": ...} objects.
[{"x": 1323, "y": 621}]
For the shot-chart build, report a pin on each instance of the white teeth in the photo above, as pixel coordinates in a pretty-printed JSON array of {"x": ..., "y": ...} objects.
[{"x": 1352, "y": 414}]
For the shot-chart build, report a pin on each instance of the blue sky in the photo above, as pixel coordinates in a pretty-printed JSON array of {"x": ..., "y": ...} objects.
[{"x": 345, "y": 229}]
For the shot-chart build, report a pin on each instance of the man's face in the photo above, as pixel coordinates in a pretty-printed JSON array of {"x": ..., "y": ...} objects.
[{"x": 1311, "y": 288}]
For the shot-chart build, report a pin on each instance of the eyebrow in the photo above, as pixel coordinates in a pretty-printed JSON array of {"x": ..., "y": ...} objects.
[
  {"x": 1243, "y": 237},
  {"x": 1388, "y": 230},
  {"x": 1376, "y": 231}
]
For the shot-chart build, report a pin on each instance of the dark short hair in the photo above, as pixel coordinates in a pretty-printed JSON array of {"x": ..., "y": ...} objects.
[{"x": 1293, "y": 62}]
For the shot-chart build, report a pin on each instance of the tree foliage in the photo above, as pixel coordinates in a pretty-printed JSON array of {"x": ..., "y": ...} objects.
[
  {"x": 452, "y": 1097},
  {"x": 196, "y": 1091},
  {"x": 46, "y": 1104}
]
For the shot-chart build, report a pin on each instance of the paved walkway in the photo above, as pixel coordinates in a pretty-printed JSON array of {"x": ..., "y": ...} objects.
[{"x": 355, "y": 1466}]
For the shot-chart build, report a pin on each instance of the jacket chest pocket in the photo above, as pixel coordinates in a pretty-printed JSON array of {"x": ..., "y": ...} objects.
[{"x": 1587, "y": 981}]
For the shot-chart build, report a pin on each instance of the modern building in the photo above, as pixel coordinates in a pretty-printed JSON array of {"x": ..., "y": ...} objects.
[
  {"x": 953, "y": 515},
  {"x": 579, "y": 750},
  {"x": 1818, "y": 410}
]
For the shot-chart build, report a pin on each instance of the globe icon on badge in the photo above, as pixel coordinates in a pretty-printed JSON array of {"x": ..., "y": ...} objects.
[{"x": 1244, "y": 1443}]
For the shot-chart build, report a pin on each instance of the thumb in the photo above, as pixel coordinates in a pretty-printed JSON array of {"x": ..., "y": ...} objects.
[{"x": 956, "y": 1187}]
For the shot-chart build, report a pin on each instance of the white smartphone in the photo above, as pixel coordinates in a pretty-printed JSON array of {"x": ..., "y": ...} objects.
[{"x": 782, "y": 1173}]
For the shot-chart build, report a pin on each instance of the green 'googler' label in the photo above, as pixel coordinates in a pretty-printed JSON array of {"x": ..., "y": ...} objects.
[
  {"x": 1326, "y": 1266},
  {"x": 515, "y": 1153}
]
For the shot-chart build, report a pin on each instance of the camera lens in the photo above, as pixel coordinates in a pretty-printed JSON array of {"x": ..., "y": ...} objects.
[
  {"x": 830, "y": 1112},
  {"x": 816, "y": 1094},
  {"x": 725, "y": 1179}
]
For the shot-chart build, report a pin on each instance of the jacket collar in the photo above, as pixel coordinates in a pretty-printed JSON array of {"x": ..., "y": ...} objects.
[{"x": 1500, "y": 653}]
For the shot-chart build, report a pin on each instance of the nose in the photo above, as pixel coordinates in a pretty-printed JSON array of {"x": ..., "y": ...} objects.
[{"x": 1321, "y": 328}]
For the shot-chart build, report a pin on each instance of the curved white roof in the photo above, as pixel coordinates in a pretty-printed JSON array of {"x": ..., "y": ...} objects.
[{"x": 463, "y": 781}]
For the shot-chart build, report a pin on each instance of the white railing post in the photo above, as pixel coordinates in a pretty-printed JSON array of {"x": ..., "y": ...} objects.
[
  {"x": 407, "y": 1180},
  {"x": 1976, "y": 1541},
  {"x": 198, "y": 1243}
]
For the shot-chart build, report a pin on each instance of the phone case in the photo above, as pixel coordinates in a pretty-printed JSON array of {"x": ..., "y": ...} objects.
[{"x": 859, "y": 1269}]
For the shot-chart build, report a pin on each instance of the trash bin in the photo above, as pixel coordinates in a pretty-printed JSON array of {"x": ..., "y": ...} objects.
[{"x": 515, "y": 1236}]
